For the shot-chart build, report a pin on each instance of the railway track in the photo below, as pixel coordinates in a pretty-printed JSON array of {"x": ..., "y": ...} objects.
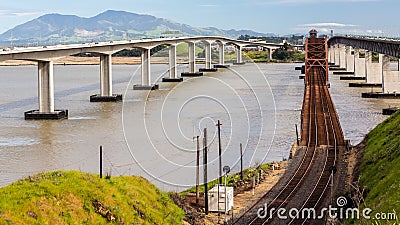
[{"x": 321, "y": 134}]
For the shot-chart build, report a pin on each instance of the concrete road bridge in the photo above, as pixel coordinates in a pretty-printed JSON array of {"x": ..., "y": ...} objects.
[
  {"x": 46, "y": 55},
  {"x": 354, "y": 56}
]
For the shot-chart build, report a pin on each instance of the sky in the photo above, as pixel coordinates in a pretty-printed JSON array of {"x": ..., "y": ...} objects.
[{"x": 362, "y": 17}]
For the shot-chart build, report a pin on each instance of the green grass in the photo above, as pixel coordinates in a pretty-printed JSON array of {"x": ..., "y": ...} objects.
[
  {"x": 232, "y": 179},
  {"x": 380, "y": 170},
  {"x": 67, "y": 198}
]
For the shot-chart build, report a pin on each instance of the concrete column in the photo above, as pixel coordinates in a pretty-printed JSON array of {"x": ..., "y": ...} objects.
[
  {"x": 221, "y": 54},
  {"x": 342, "y": 56},
  {"x": 146, "y": 67},
  {"x": 349, "y": 60},
  {"x": 331, "y": 54},
  {"x": 359, "y": 64},
  {"x": 106, "y": 75},
  {"x": 373, "y": 70},
  {"x": 270, "y": 53},
  {"x": 173, "y": 74},
  {"x": 192, "y": 57},
  {"x": 46, "y": 86},
  {"x": 239, "y": 54},
  {"x": 208, "y": 55},
  {"x": 390, "y": 79},
  {"x": 337, "y": 55}
]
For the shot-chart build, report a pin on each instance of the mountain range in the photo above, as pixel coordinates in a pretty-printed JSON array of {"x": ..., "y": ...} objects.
[{"x": 106, "y": 26}]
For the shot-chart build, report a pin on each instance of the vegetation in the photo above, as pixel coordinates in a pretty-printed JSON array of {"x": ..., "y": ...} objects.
[
  {"x": 82, "y": 198},
  {"x": 380, "y": 171},
  {"x": 294, "y": 39},
  {"x": 286, "y": 54},
  {"x": 233, "y": 179}
]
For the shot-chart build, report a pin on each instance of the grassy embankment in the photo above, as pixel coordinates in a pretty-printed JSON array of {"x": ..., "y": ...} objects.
[
  {"x": 233, "y": 179},
  {"x": 81, "y": 198},
  {"x": 380, "y": 171}
]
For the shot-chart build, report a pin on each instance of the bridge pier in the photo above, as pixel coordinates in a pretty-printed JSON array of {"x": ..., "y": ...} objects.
[
  {"x": 359, "y": 64},
  {"x": 391, "y": 79},
  {"x": 373, "y": 69},
  {"x": 270, "y": 52},
  {"x": 336, "y": 55},
  {"x": 173, "y": 73},
  {"x": 192, "y": 62},
  {"x": 208, "y": 58},
  {"x": 349, "y": 60},
  {"x": 192, "y": 57},
  {"x": 221, "y": 50},
  {"x": 239, "y": 58},
  {"x": 208, "y": 54},
  {"x": 332, "y": 54},
  {"x": 221, "y": 54},
  {"x": 46, "y": 95},
  {"x": 342, "y": 56},
  {"x": 106, "y": 94},
  {"x": 146, "y": 73}
]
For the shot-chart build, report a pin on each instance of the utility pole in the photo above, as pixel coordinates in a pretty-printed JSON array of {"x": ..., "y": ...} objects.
[
  {"x": 297, "y": 136},
  {"x": 220, "y": 163},
  {"x": 219, "y": 151},
  {"x": 197, "y": 170},
  {"x": 205, "y": 171},
  {"x": 241, "y": 162},
  {"x": 101, "y": 161}
]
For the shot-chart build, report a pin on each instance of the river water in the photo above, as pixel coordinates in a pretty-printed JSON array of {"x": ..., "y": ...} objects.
[{"x": 151, "y": 134}]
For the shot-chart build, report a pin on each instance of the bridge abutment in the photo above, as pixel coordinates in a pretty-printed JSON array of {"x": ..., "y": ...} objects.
[{"x": 46, "y": 95}]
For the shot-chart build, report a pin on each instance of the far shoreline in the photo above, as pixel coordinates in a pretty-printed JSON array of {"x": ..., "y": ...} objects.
[{"x": 74, "y": 60}]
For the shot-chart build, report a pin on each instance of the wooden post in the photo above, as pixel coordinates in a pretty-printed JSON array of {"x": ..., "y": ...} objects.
[
  {"x": 253, "y": 186},
  {"x": 101, "y": 161},
  {"x": 219, "y": 152},
  {"x": 205, "y": 171},
  {"x": 197, "y": 170},
  {"x": 241, "y": 162},
  {"x": 297, "y": 136}
]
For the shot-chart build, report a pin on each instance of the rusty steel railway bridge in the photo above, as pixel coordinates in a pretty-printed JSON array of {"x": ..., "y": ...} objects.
[{"x": 322, "y": 139}]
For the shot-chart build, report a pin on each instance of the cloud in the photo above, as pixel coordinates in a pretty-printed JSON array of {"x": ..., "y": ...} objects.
[
  {"x": 297, "y": 2},
  {"x": 327, "y": 25},
  {"x": 9, "y": 13},
  {"x": 208, "y": 5}
]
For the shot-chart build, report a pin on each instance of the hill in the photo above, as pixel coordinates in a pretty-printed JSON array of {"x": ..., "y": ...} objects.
[
  {"x": 109, "y": 25},
  {"x": 81, "y": 198},
  {"x": 379, "y": 173}
]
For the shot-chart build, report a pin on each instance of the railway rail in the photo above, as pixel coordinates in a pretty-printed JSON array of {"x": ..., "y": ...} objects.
[{"x": 321, "y": 135}]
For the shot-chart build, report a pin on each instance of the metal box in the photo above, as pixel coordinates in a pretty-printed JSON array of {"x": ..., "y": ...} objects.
[{"x": 213, "y": 200}]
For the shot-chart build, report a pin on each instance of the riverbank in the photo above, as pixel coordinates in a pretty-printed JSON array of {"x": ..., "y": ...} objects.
[
  {"x": 73, "y": 60},
  {"x": 373, "y": 174},
  {"x": 71, "y": 197}
]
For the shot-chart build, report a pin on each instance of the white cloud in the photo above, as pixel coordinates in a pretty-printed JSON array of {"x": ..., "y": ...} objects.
[
  {"x": 322, "y": 1},
  {"x": 10, "y": 13},
  {"x": 297, "y": 2},
  {"x": 208, "y": 5},
  {"x": 326, "y": 25}
]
